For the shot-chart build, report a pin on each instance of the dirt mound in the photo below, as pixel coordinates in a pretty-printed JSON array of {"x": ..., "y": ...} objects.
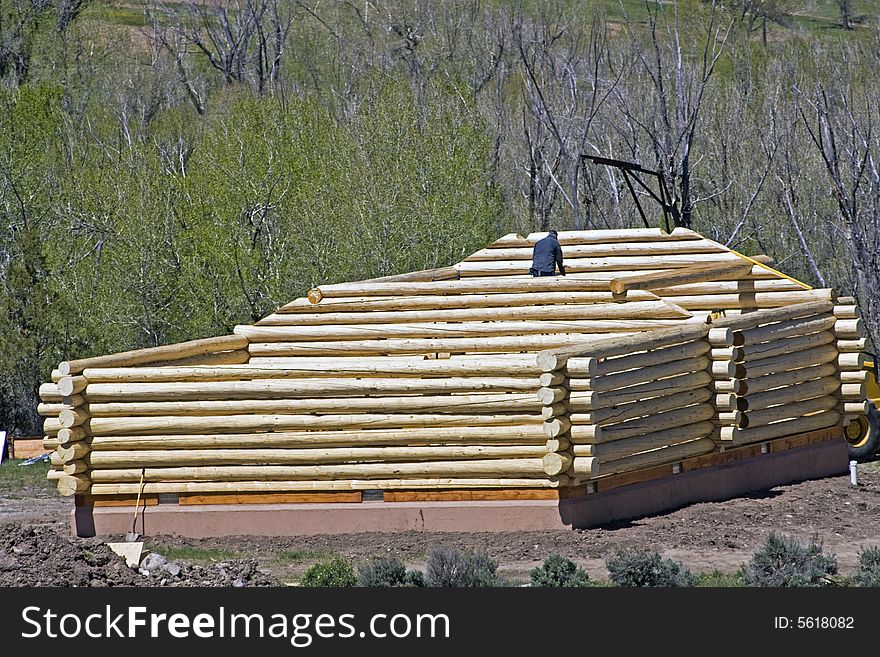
[{"x": 42, "y": 556}]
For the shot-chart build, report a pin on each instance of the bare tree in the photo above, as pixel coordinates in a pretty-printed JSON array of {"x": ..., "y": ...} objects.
[{"x": 846, "y": 13}]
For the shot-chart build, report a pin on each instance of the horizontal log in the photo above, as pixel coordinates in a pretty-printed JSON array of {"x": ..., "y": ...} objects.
[
  {"x": 786, "y": 428},
  {"x": 770, "y": 381},
  {"x": 629, "y": 446},
  {"x": 850, "y": 361},
  {"x": 315, "y": 388},
  {"x": 758, "y": 352},
  {"x": 727, "y": 353},
  {"x": 554, "y": 410},
  {"x": 559, "y": 444},
  {"x": 603, "y": 366},
  {"x": 793, "y": 410},
  {"x": 556, "y": 463},
  {"x": 541, "y": 481},
  {"x": 575, "y": 251},
  {"x": 855, "y": 376},
  {"x": 789, "y": 329},
  {"x": 735, "y": 386},
  {"x": 806, "y": 304},
  {"x": 237, "y": 357},
  {"x": 51, "y": 426},
  {"x": 639, "y": 376},
  {"x": 153, "y": 354},
  {"x": 849, "y": 329},
  {"x": 643, "y": 408},
  {"x": 725, "y": 369},
  {"x": 477, "y": 468},
  {"x": 846, "y": 312},
  {"x": 556, "y": 427},
  {"x": 731, "y": 418},
  {"x": 694, "y": 274},
  {"x": 588, "y": 264},
  {"x": 855, "y": 408},
  {"x": 744, "y": 300},
  {"x": 549, "y": 396},
  {"x": 73, "y": 484},
  {"x": 644, "y": 425},
  {"x": 72, "y": 451},
  {"x": 51, "y": 444},
  {"x": 249, "y": 423},
  {"x": 589, "y": 467},
  {"x": 792, "y": 393},
  {"x": 729, "y": 402},
  {"x": 602, "y": 236},
  {"x": 104, "y": 460},
  {"x": 853, "y": 390},
  {"x": 49, "y": 393},
  {"x": 581, "y": 401},
  {"x": 787, "y": 362},
  {"x": 851, "y": 346},
  {"x": 556, "y": 359},
  {"x": 528, "y": 434},
  {"x": 478, "y": 404},
  {"x": 74, "y": 467},
  {"x": 758, "y": 280},
  {"x": 72, "y": 417},
  {"x": 427, "y": 345},
  {"x": 72, "y": 385},
  {"x": 294, "y": 368},
  {"x": 69, "y": 435},
  {"x": 49, "y": 410},
  {"x": 548, "y": 379},
  {"x": 722, "y": 337}
]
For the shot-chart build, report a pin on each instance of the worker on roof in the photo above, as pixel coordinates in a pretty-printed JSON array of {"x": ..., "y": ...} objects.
[{"x": 546, "y": 256}]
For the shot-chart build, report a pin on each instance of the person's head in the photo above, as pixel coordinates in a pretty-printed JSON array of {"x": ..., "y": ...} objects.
[{"x": 553, "y": 233}]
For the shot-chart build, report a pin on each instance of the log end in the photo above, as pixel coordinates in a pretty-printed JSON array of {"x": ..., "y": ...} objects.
[
  {"x": 618, "y": 287},
  {"x": 64, "y": 368},
  {"x": 69, "y": 485},
  {"x": 315, "y": 295},
  {"x": 548, "y": 361},
  {"x": 556, "y": 463}
]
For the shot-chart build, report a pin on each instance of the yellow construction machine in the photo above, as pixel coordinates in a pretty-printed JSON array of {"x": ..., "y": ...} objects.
[{"x": 863, "y": 433}]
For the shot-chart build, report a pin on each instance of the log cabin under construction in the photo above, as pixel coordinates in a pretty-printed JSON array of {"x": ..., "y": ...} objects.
[{"x": 664, "y": 368}]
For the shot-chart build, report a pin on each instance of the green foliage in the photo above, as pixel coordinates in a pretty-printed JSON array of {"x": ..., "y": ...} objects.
[
  {"x": 333, "y": 572},
  {"x": 869, "y": 567},
  {"x": 635, "y": 567},
  {"x": 557, "y": 571},
  {"x": 388, "y": 571},
  {"x": 785, "y": 561},
  {"x": 450, "y": 567}
]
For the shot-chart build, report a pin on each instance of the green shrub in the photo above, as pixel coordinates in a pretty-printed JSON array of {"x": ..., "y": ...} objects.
[
  {"x": 557, "y": 571},
  {"x": 784, "y": 561},
  {"x": 634, "y": 567},
  {"x": 869, "y": 567},
  {"x": 388, "y": 571},
  {"x": 449, "y": 567},
  {"x": 336, "y": 571}
]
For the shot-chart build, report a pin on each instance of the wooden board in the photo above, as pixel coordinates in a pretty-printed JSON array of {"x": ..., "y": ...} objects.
[
  {"x": 116, "y": 500},
  {"x": 471, "y": 495},
  {"x": 25, "y": 448},
  {"x": 268, "y": 498}
]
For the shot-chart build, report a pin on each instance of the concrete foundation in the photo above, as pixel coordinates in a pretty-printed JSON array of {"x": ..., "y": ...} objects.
[{"x": 627, "y": 502}]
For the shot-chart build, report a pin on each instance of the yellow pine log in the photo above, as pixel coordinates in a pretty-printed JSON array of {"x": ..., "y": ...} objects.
[
  {"x": 643, "y": 425},
  {"x": 792, "y": 393},
  {"x": 602, "y": 367},
  {"x": 248, "y": 423},
  {"x": 758, "y": 280},
  {"x": 108, "y": 460},
  {"x": 473, "y": 403},
  {"x": 727, "y": 353},
  {"x": 590, "y": 467},
  {"x": 758, "y": 352},
  {"x": 276, "y": 334},
  {"x": 529, "y": 434},
  {"x": 728, "y": 402},
  {"x": 771, "y": 381},
  {"x": 72, "y": 417},
  {"x": 722, "y": 337},
  {"x": 493, "y": 307},
  {"x": 577, "y": 251},
  {"x": 786, "y": 428},
  {"x": 512, "y": 285},
  {"x": 747, "y": 300},
  {"x": 55, "y": 473},
  {"x": 853, "y": 390},
  {"x": 555, "y": 359},
  {"x": 556, "y": 427},
  {"x": 55, "y": 376},
  {"x": 855, "y": 408},
  {"x": 845, "y": 301},
  {"x": 857, "y": 376},
  {"x": 47, "y": 410},
  {"x": 237, "y": 357},
  {"x": 554, "y": 410},
  {"x": 310, "y": 388},
  {"x": 817, "y": 302},
  {"x": 602, "y": 236},
  {"x": 850, "y": 361},
  {"x": 472, "y": 468},
  {"x": 793, "y": 410},
  {"x": 291, "y": 368},
  {"x": 69, "y": 435},
  {"x": 846, "y": 312},
  {"x": 613, "y": 415},
  {"x": 56, "y": 460},
  {"x": 639, "y": 376},
  {"x": 542, "y": 481},
  {"x": 549, "y": 379},
  {"x": 790, "y": 329},
  {"x": 629, "y": 446},
  {"x": 51, "y": 426},
  {"x": 72, "y": 451},
  {"x": 735, "y": 386},
  {"x": 73, "y": 484},
  {"x": 556, "y": 463},
  {"x": 688, "y": 275},
  {"x": 849, "y": 329},
  {"x": 726, "y": 369},
  {"x": 154, "y": 354},
  {"x": 72, "y": 385},
  {"x": 731, "y": 418},
  {"x": 591, "y": 264},
  {"x": 793, "y": 361},
  {"x": 51, "y": 444},
  {"x": 550, "y": 396},
  {"x": 850, "y": 346},
  {"x": 559, "y": 444},
  {"x": 426, "y": 345},
  {"x": 49, "y": 393},
  {"x": 589, "y": 400},
  {"x": 75, "y": 467}
]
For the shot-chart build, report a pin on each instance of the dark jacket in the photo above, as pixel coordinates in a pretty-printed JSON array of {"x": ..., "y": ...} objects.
[{"x": 547, "y": 255}]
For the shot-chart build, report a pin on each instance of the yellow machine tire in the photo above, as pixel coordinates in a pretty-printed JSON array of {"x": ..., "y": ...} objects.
[{"x": 863, "y": 435}]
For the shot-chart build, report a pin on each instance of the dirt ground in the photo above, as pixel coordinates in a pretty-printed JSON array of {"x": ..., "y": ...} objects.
[{"x": 36, "y": 547}]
